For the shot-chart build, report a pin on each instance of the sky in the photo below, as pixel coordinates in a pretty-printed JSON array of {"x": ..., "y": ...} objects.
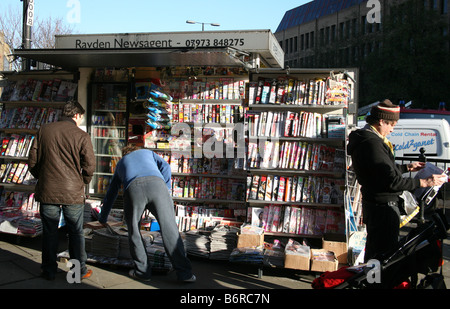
[{"x": 116, "y": 16}]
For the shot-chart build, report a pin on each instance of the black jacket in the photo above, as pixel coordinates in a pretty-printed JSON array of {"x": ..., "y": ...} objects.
[{"x": 381, "y": 179}]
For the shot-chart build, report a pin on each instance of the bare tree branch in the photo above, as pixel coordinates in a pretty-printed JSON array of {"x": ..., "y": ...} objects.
[
  {"x": 11, "y": 26},
  {"x": 42, "y": 33},
  {"x": 45, "y": 31}
]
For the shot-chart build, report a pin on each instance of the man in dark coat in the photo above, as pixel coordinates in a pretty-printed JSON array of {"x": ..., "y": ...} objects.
[
  {"x": 381, "y": 179},
  {"x": 62, "y": 159}
]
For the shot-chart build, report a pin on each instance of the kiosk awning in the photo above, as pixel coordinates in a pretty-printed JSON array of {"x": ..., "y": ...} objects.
[
  {"x": 74, "y": 58},
  {"x": 251, "y": 48}
]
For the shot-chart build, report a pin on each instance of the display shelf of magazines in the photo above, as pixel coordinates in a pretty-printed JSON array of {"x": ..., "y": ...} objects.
[
  {"x": 215, "y": 183},
  {"x": 209, "y": 175},
  {"x": 205, "y": 200},
  {"x": 296, "y": 127},
  {"x": 195, "y": 132},
  {"x": 28, "y": 100},
  {"x": 39, "y": 104},
  {"x": 15, "y": 176}
]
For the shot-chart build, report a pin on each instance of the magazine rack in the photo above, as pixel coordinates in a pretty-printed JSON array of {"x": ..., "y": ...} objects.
[
  {"x": 29, "y": 99},
  {"x": 297, "y": 128}
]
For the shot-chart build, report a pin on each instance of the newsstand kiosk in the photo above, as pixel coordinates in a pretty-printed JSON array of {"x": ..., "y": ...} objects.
[{"x": 227, "y": 90}]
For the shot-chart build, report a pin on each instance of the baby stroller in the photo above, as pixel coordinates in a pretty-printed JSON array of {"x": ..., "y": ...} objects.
[{"x": 419, "y": 255}]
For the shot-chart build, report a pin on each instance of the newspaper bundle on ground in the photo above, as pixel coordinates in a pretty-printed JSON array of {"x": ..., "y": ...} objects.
[
  {"x": 29, "y": 226},
  {"x": 274, "y": 254},
  {"x": 111, "y": 246},
  {"x": 223, "y": 241},
  {"x": 214, "y": 243},
  {"x": 247, "y": 255},
  {"x": 105, "y": 244},
  {"x": 198, "y": 243},
  {"x": 91, "y": 209},
  {"x": 157, "y": 256}
]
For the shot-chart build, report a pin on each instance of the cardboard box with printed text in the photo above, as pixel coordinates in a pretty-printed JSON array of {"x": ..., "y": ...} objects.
[
  {"x": 338, "y": 245},
  {"x": 250, "y": 240}
]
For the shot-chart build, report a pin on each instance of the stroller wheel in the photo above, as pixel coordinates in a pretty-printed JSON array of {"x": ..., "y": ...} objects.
[{"x": 432, "y": 282}]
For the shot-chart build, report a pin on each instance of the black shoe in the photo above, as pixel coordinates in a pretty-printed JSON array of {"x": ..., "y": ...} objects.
[
  {"x": 192, "y": 279},
  {"x": 133, "y": 275},
  {"x": 48, "y": 276}
]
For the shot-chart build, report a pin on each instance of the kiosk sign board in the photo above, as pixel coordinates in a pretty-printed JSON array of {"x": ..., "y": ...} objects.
[{"x": 261, "y": 42}]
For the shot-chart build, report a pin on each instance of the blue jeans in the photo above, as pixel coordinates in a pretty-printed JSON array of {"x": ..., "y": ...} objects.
[
  {"x": 73, "y": 216},
  {"x": 151, "y": 193}
]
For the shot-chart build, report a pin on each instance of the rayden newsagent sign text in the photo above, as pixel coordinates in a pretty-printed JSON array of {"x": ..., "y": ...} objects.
[{"x": 253, "y": 41}]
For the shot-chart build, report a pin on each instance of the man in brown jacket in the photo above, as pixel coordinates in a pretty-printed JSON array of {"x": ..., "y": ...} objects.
[{"x": 62, "y": 159}]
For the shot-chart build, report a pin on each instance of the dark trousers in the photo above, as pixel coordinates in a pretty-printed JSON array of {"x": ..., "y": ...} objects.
[
  {"x": 383, "y": 227},
  {"x": 151, "y": 193}
]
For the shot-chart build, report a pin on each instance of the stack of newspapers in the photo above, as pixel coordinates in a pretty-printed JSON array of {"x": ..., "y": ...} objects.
[{"x": 223, "y": 241}]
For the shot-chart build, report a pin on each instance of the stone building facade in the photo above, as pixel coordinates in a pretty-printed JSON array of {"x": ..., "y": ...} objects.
[{"x": 337, "y": 33}]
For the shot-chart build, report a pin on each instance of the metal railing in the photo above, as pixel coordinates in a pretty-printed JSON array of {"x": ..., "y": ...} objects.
[{"x": 443, "y": 164}]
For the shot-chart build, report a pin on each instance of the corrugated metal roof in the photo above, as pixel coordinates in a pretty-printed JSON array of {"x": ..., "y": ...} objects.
[{"x": 312, "y": 10}]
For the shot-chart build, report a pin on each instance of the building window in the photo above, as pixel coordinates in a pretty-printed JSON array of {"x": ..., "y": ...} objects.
[
  {"x": 347, "y": 56},
  {"x": 355, "y": 53},
  {"x": 311, "y": 39},
  {"x": 322, "y": 37},
  {"x": 347, "y": 29},
  {"x": 444, "y": 6},
  {"x": 363, "y": 25},
  {"x": 378, "y": 27},
  {"x": 354, "y": 27}
]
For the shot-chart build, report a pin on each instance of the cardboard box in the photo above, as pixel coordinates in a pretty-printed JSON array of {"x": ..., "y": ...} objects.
[
  {"x": 295, "y": 261},
  {"x": 323, "y": 265},
  {"x": 338, "y": 245},
  {"x": 250, "y": 240}
]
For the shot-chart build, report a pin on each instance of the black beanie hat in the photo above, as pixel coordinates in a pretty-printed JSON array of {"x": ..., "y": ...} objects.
[{"x": 386, "y": 111}]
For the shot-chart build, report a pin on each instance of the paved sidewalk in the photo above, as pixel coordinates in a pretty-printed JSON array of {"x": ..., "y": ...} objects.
[{"x": 20, "y": 259}]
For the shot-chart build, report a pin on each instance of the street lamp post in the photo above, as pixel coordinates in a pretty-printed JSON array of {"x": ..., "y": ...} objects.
[
  {"x": 27, "y": 22},
  {"x": 203, "y": 24}
]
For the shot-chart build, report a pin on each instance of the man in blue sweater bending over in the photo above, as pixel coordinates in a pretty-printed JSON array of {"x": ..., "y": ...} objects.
[{"x": 146, "y": 180}]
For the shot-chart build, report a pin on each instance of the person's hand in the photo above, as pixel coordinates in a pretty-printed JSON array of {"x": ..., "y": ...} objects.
[
  {"x": 433, "y": 180},
  {"x": 109, "y": 228},
  {"x": 416, "y": 166}
]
